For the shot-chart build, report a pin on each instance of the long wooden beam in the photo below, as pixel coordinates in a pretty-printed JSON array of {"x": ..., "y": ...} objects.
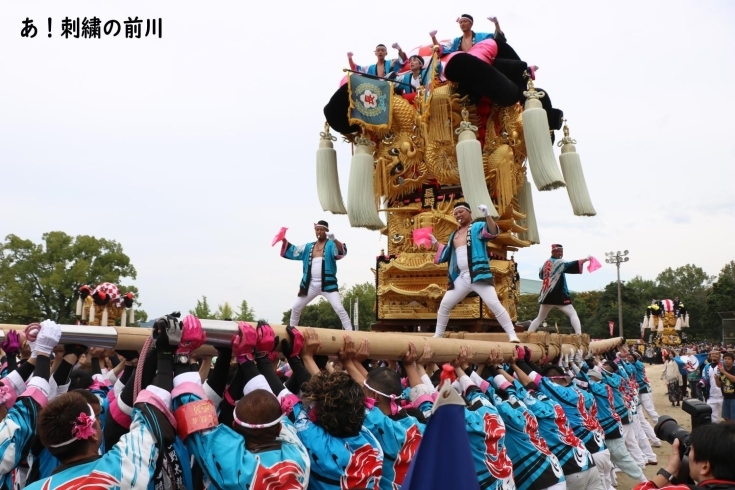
[{"x": 383, "y": 345}]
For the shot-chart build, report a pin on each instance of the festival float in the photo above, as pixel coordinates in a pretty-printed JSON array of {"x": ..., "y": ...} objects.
[
  {"x": 666, "y": 318},
  {"x": 473, "y": 133}
]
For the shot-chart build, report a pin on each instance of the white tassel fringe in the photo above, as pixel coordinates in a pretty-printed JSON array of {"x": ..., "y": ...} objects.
[
  {"x": 131, "y": 320},
  {"x": 645, "y": 322},
  {"x": 123, "y": 318},
  {"x": 677, "y": 326},
  {"x": 472, "y": 173},
  {"x": 79, "y": 306},
  {"x": 660, "y": 324},
  {"x": 571, "y": 168},
  {"x": 362, "y": 209},
  {"x": 525, "y": 198},
  {"x": 103, "y": 322},
  {"x": 541, "y": 159},
  {"x": 327, "y": 176},
  {"x": 91, "y": 313}
]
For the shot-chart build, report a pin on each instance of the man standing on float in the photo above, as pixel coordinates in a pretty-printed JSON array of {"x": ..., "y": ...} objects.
[
  {"x": 320, "y": 272},
  {"x": 469, "y": 267},
  {"x": 554, "y": 292}
]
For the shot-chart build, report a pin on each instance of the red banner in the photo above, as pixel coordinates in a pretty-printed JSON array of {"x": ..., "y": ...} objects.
[{"x": 612, "y": 326}]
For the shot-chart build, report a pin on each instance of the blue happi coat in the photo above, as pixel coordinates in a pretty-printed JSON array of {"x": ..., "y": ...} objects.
[
  {"x": 486, "y": 431},
  {"x": 226, "y": 462},
  {"x": 337, "y": 463},
  {"x": 329, "y": 264},
  {"x": 477, "y": 258},
  {"x": 455, "y": 44},
  {"x": 388, "y": 65}
]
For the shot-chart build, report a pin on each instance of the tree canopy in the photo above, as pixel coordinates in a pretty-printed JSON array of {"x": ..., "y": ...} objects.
[{"x": 40, "y": 281}]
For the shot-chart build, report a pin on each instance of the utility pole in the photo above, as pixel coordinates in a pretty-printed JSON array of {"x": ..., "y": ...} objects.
[{"x": 617, "y": 259}]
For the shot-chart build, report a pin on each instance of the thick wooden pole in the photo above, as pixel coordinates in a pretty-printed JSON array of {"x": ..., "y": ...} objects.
[{"x": 383, "y": 345}]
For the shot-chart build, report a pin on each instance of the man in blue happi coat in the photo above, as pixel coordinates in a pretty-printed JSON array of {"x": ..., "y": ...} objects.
[
  {"x": 319, "y": 277},
  {"x": 469, "y": 267},
  {"x": 554, "y": 292}
]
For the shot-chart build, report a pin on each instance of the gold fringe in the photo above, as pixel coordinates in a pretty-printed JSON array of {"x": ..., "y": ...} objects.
[{"x": 440, "y": 127}]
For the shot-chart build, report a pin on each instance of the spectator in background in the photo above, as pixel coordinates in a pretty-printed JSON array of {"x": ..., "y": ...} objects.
[{"x": 726, "y": 382}]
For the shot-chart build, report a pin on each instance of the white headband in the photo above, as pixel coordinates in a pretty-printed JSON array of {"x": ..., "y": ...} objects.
[
  {"x": 255, "y": 426},
  {"x": 75, "y": 438}
]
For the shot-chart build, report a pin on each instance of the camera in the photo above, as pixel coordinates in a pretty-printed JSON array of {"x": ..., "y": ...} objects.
[{"x": 669, "y": 430}]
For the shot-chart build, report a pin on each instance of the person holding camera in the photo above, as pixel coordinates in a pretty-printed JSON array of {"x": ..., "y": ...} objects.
[{"x": 711, "y": 461}]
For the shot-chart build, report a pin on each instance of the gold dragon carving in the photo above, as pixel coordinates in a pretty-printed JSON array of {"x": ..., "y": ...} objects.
[{"x": 420, "y": 148}]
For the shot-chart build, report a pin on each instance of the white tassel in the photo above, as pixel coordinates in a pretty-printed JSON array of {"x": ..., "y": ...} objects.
[
  {"x": 678, "y": 323},
  {"x": 79, "y": 306},
  {"x": 471, "y": 171},
  {"x": 91, "y": 313},
  {"x": 686, "y": 321},
  {"x": 123, "y": 318},
  {"x": 645, "y": 322},
  {"x": 541, "y": 159},
  {"x": 660, "y": 324},
  {"x": 131, "y": 320},
  {"x": 103, "y": 322},
  {"x": 361, "y": 206},
  {"x": 525, "y": 198},
  {"x": 571, "y": 167},
  {"x": 327, "y": 175}
]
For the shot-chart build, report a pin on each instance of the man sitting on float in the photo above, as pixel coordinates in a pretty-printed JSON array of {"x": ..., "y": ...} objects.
[
  {"x": 383, "y": 67},
  {"x": 417, "y": 77}
]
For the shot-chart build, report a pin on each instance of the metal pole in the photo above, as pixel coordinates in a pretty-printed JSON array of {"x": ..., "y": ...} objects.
[
  {"x": 620, "y": 304},
  {"x": 617, "y": 259}
]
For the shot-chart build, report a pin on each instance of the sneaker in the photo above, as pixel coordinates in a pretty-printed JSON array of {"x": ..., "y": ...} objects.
[
  {"x": 514, "y": 339},
  {"x": 656, "y": 444},
  {"x": 652, "y": 463}
]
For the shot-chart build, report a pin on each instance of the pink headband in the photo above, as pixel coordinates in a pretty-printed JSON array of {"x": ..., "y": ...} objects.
[{"x": 83, "y": 428}]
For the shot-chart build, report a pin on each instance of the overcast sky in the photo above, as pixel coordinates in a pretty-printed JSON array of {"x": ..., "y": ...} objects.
[{"x": 192, "y": 150}]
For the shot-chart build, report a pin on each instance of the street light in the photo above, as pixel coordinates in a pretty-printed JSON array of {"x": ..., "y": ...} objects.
[{"x": 617, "y": 259}]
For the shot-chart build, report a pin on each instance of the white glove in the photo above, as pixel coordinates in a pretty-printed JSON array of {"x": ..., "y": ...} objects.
[
  {"x": 483, "y": 209},
  {"x": 396, "y": 46},
  {"x": 434, "y": 241},
  {"x": 432, "y": 33},
  {"x": 48, "y": 337},
  {"x": 330, "y": 236},
  {"x": 32, "y": 346},
  {"x": 349, "y": 54},
  {"x": 493, "y": 19}
]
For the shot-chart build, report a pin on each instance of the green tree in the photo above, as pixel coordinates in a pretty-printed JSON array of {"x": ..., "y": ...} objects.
[
  {"x": 687, "y": 281},
  {"x": 41, "y": 281},
  {"x": 246, "y": 314},
  {"x": 721, "y": 298},
  {"x": 607, "y": 311},
  {"x": 322, "y": 315},
  {"x": 202, "y": 310},
  {"x": 224, "y": 312}
]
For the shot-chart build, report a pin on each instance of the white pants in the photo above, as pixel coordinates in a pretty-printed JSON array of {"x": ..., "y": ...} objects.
[
  {"x": 647, "y": 429},
  {"x": 462, "y": 287},
  {"x": 620, "y": 455},
  {"x": 315, "y": 289},
  {"x": 587, "y": 479},
  {"x": 604, "y": 467},
  {"x": 568, "y": 310},
  {"x": 716, "y": 405},
  {"x": 631, "y": 442},
  {"x": 640, "y": 435},
  {"x": 647, "y": 404}
]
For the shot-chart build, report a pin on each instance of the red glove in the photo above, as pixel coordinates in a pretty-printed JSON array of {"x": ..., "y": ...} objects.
[
  {"x": 192, "y": 335},
  {"x": 244, "y": 342},
  {"x": 267, "y": 340}
]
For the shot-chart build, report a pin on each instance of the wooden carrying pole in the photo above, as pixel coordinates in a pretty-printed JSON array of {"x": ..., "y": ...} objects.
[{"x": 383, "y": 345}]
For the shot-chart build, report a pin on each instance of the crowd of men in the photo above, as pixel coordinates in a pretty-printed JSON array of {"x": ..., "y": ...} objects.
[{"x": 157, "y": 420}]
